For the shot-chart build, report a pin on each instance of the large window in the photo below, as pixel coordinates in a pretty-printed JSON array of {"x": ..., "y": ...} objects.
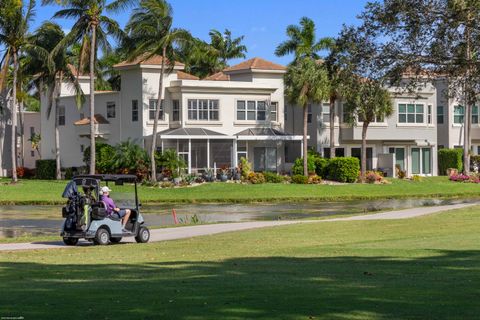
[
  {"x": 458, "y": 114},
  {"x": 110, "y": 109},
  {"x": 440, "y": 115},
  {"x": 203, "y": 109},
  {"x": 274, "y": 111},
  {"x": 251, "y": 110},
  {"x": 475, "y": 114},
  {"x": 135, "y": 110},
  {"x": 61, "y": 115},
  {"x": 421, "y": 160},
  {"x": 411, "y": 113},
  {"x": 309, "y": 113},
  {"x": 176, "y": 110},
  {"x": 152, "y": 108},
  {"x": 399, "y": 156},
  {"x": 326, "y": 113},
  {"x": 265, "y": 159}
]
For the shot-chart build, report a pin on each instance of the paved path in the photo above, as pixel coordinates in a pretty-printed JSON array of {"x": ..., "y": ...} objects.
[{"x": 202, "y": 230}]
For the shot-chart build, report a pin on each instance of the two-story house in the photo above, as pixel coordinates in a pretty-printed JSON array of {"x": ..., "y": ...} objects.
[
  {"x": 410, "y": 133},
  {"x": 211, "y": 123}
]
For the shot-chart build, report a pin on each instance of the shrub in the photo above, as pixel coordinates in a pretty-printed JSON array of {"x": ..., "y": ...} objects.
[
  {"x": 475, "y": 162},
  {"x": 171, "y": 163},
  {"x": 103, "y": 157},
  {"x": 272, "y": 177},
  {"x": 401, "y": 174},
  {"x": 373, "y": 177},
  {"x": 417, "y": 178},
  {"x": 256, "y": 178},
  {"x": 24, "y": 172},
  {"x": 299, "y": 179},
  {"x": 314, "y": 179},
  {"x": 70, "y": 172},
  {"x": 45, "y": 169},
  {"x": 450, "y": 158},
  {"x": 167, "y": 184},
  {"x": 321, "y": 166},
  {"x": 343, "y": 169},
  {"x": 245, "y": 167},
  {"x": 297, "y": 168}
]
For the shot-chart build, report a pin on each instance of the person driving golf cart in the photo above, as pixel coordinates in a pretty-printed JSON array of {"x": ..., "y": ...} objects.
[{"x": 112, "y": 209}]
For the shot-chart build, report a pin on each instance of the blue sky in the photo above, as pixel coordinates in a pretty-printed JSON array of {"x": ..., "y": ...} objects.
[{"x": 262, "y": 22}]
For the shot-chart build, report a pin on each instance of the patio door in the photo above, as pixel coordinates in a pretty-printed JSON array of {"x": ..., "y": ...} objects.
[
  {"x": 265, "y": 159},
  {"x": 357, "y": 153},
  {"x": 421, "y": 160},
  {"x": 399, "y": 156}
]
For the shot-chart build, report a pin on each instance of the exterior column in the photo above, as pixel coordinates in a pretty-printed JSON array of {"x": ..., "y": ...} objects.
[
  {"x": 189, "y": 156},
  {"x": 162, "y": 144},
  {"x": 208, "y": 153},
  {"x": 235, "y": 164},
  {"x": 301, "y": 149}
]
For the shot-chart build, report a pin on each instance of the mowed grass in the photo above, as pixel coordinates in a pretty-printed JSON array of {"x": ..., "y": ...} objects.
[
  {"x": 49, "y": 192},
  {"x": 421, "y": 268}
]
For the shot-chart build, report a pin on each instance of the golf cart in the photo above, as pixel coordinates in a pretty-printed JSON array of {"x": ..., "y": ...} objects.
[{"x": 85, "y": 213}]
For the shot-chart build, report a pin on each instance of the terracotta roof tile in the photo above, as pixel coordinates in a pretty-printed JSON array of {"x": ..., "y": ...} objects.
[
  {"x": 186, "y": 76},
  {"x": 219, "y": 76},
  {"x": 256, "y": 64},
  {"x": 98, "y": 119},
  {"x": 140, "y": 60}
]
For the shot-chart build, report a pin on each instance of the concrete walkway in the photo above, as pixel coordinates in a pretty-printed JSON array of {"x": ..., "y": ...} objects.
[{"x": 202, "y": 230}]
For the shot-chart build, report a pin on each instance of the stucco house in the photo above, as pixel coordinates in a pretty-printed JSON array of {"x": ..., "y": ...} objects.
[{"x": 211, "y": 122}]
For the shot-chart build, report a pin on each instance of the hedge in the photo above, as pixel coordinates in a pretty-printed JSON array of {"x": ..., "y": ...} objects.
[
  {"x": 297, "y": 167},
  {"x": 321, "y": 167},
  {"x": 343, "y": 169},
  {"x": 450, "y": 158},
  {"x": 45, "y": 169}
]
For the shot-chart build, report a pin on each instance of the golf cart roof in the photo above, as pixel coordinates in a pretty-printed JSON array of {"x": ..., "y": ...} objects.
[{"x": 109, "y": 177}]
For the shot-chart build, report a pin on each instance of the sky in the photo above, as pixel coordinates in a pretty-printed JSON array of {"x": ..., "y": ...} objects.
[{"x": 262, "y": 22}]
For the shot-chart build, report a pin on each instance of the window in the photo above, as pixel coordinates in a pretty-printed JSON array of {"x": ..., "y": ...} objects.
[
  {"x": 252, "y": 110},
  {"x": 421, "y": 160},
  {"x": 110, "y": 109},
  {"x": 326, "y": 113},
  {"x": 357, "y": 153},
  {"x": 134, "y": 110},
  {"x": 82, "y": 115},
  {"x": 32, "y": 153},
  {"x": 345, "y": 114},
  {"x": 61, "y": 115},
  {"x": 458, "y": 114},
  {"x": 241, "y": 150},
  {"x": 440, "y": 114},
  {"x": 32, "y": 132},
  {"x": 411, "y": 113},
  {"x": 339, "y": 152},
  {"x": 429, "y": 114},
  {"x": 273, "y": 111},
  {"x": 399, "y": 156},
  {"x": 203, "y": 109},
  {"x": 475, "y": 114},
  {"x": 309, "y": 113},
  {"x": 152, "y": 108},
  {"x": 176, "y": 110}
]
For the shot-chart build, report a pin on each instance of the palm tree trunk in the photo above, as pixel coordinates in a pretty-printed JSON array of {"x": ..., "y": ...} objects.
[
  {"x": 155, "y": 121},
  {"x": 332, "y": 126},
  {"x": 58, "y": 173},
  {"x": 305, "y": 148},
  {"x": 92, "y": 100},
  {"x": 14, "y": 118},
  {"x": 466, "y": 142},
  {"x": 363, "y": 168}
]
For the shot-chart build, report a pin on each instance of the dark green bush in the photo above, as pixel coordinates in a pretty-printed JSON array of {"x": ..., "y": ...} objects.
[
  {"x": 300, "y": 179},
  {"x": 103, "y": 157},
  {"x": 343, "y": 169},
  {"x": 70, "y": 172},
  {"x": 321, "y": 167},
  {"x": 271, "y": 177},
  {"x": 297, "y": 167},
  {"x": 450, "y": 158},
  {"x": 45, "y": 169}
]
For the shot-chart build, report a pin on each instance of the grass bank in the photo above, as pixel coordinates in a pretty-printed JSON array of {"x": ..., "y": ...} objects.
[
  {"x": 49, "y": 192},
  {"x": 422, "y": 268}
]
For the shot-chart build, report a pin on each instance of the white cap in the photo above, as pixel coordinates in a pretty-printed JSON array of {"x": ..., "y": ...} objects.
[{"x": 105, "y": 189}]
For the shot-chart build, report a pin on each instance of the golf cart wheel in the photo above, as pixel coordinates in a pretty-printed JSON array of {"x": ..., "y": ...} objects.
[
  {"x": 143, "y": 235},
  {"x": 115, "y": 239},
  {"x": 102, "y": 237},
  {"x": 70, "y": 241}
]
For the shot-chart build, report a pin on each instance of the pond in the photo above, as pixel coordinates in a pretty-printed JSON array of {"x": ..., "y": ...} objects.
[{"x": 18, "y": 221}]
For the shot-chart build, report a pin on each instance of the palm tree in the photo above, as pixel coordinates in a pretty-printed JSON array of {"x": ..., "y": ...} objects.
[
  {"x": 92, "y": 29},
  {"x": 51, "y": 73},
  {"x": 15, "y": 17},
  {"x": 226, "y": 47},
  {"x": 305, "y": 82},
  {"x": 367, "y": 101},
  {"x": 303, "y": 44},
  {"x": 150, "y": 29}
]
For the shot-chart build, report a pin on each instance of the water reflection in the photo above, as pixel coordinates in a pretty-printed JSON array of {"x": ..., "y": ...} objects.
[{"x": 16, "y": 221}]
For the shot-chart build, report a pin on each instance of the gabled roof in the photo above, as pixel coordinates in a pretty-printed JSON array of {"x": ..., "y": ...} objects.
[
  {"x": 256, "y": 64},
  {"x": 141, "y": 60},
  {"x": 219, "y": 76},
  {"x": 186, "y": 76},
  {"x": 98, "y": 119}
]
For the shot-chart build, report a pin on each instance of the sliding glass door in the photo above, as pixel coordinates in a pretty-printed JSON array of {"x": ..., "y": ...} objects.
[{"x": 421, "y": 160}]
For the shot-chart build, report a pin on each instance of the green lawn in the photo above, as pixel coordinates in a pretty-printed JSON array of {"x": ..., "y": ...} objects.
[
  {"x": 49, "y": 192},
  {"x": 422, "y": 268}
]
